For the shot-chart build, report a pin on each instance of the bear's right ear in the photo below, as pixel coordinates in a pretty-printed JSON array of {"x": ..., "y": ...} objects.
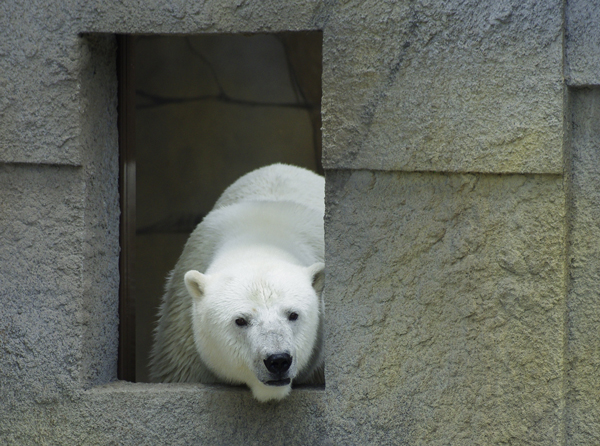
[
  {"x": 317, "y": 274},
  {"x": 195, "y": 282}
]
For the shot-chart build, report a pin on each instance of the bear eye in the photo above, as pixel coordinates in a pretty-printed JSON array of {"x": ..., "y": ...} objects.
[
  {"x": 293, "y": 316},
  {"x": 241, "y": 322}
]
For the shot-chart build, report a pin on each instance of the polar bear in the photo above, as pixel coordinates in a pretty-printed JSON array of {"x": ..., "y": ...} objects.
[{"x": 243, "y": 303}]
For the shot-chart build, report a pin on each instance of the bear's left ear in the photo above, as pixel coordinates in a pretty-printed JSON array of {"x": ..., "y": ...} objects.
[
  {"x": 317, "y": 273},
  {"x": 195, "y": 282}
]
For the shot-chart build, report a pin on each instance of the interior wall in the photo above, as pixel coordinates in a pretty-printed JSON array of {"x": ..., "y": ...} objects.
[{"x": 210, "y": 108}]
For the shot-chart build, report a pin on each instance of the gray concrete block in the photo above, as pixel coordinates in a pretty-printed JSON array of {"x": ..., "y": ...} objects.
[
  {"x": 214, "y": 16},
  {"x": 170, "y": 414},
  {"x": 445, "y": 307},
  {"x": 40, "y": 64},
  {"x": 461, "y": 87},
  {"x": 582, "y": 42},
  {"x": 100, "y": 157},
  {"x": 41, "y": 265},
  {"x": 59, "y": 227}
]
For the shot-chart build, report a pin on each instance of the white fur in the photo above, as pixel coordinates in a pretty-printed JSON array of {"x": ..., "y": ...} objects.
[{"x": 258, "y": 256}]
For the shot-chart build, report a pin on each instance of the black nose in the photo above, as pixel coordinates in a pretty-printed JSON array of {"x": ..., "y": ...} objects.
[{"x": 278, "y": 363}]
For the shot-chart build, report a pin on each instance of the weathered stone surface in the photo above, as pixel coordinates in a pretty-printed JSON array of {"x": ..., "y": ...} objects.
[
  {"x": 222, "y": 16},
  {"x": 583, "y": 352},
  {"x": 445, "y": 307},
  {"x": 100, "y": 247},
  {"x": 173, "y": 414},
  {"x": 40, "y": 61},
  {"x": 59, "y": 239},
  {"x": 459, "y": 86},
  {"x": 453, "y": 87},
  {"x": 582, "y": 42},
  {"x": 41, "y": 264}
]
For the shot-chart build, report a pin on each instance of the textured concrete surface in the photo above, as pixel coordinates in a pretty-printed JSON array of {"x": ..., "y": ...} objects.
[
  {"x": 582, "y": 42},
  {"x": 213, "y": 16},
  {"x": 459, "y": 86},
  {"x": 100, "y": 244},
  {"x": 583, "y": 348},
  {"x": 446, "y": 305},
  {"x": 169, "y": 414},
  {"x": 41, "y": 55},
  {"x": 59, "y": 253},
  {"x": 40, "y": 62},
  {"x": 41, "y": 264}
]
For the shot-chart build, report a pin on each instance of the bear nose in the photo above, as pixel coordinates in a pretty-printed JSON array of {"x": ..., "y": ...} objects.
[{"x": 278, "y": 363}]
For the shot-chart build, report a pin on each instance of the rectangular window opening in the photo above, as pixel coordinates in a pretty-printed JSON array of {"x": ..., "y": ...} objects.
[{"x": 196, "y": 112}]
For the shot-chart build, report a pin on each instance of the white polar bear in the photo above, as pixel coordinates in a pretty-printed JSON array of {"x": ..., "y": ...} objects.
[{"x": 243, "y": 303}]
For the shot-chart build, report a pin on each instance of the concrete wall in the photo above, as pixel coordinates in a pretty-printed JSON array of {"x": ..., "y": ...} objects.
[{"x": 461, "y": 227}]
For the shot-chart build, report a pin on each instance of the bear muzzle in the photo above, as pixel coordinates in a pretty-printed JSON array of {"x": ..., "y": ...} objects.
[{"x": 278, "y": 366}]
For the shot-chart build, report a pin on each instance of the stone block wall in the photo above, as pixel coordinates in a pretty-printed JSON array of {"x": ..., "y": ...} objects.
[{"x": 460, "y": 144}]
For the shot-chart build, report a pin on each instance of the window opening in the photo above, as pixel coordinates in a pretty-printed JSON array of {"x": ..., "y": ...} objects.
[{"x": 208, "y": 109}]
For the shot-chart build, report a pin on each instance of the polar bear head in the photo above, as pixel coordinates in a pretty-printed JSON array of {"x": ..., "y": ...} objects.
[{"x": 258, "y": 326}]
